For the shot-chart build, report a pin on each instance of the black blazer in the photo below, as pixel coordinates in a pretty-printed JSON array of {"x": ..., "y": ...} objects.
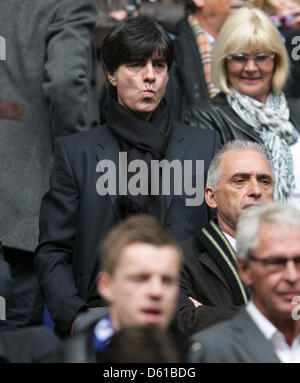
[{"x": 74, "y": 218}]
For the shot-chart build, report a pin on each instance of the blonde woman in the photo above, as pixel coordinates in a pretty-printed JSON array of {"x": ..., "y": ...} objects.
[{"x": 250, "y": 66}]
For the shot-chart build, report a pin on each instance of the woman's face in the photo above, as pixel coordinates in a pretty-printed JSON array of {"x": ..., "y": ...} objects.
[{"x": 251, "y": 74}]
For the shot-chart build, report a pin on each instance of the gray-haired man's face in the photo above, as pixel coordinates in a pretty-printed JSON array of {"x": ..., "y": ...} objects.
[{"x": 246, "y": 180}]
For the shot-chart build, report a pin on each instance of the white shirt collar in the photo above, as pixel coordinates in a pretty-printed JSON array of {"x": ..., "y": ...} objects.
[
  {"x": 284, "y": 352},
  {"x": 265, "y": 326},
  {"x": 231, "y": 240}
]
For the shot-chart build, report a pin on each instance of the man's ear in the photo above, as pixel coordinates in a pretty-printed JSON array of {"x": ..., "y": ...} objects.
[
  {"x": 199, "y": 3},
  {"x": 210, "y": 197},
  {"x": 104, "y": 280},
  {"x": 244, "y": 269},
  {"x": 112, "y": 78}
]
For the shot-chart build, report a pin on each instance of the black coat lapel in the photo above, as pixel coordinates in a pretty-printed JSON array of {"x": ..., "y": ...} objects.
[
  {"x": 220, "y": 249},
  {"x": 108, "y": 149},
  {"x": 175, "y": 151}
]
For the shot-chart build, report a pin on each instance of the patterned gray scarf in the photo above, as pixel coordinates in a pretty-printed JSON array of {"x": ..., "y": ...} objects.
[{"x": 271, "y": 122}]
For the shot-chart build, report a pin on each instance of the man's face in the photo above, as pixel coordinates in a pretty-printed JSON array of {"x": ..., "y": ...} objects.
[
  {"x": 219, "y": 9},
  {"x": 245, "y": 181},
  {"x": 141, "y": 85},
  {"x": 144, "y": 286},
  {"x": 272, "y": 292}
]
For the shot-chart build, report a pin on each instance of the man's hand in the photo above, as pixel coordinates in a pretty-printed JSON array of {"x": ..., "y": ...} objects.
[
  {"x": 118, "y": 15},
  {"x": 195, "y": 302}
]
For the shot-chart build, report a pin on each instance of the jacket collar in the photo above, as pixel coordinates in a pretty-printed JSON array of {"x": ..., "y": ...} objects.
[
  {"x": 247, "y": 333},
  {"x": 222, "y": 260},
  {"x": 221, "y": 104}
]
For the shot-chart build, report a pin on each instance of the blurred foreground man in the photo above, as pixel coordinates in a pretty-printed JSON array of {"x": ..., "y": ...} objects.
[{"x": 139, "y": 281}]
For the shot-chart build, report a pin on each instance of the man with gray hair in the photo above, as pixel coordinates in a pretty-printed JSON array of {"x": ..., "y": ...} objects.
[
  {"x": 268, "y": 328},
  {"x": 239, "y": 176}
]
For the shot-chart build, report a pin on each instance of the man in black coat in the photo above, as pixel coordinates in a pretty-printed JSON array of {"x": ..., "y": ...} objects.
[
  {"x": 122, "y": 168},
  {"x": 211, "y": 291}
]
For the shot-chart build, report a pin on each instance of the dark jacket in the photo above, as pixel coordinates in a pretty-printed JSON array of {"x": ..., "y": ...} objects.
[
  {"x": 74, "y": 218},
  {"x": 48, "y": 88},
  {"x": 204, "y": 278},
  {"x": 217, "y": 114},
  {"x": 28, "y": 345},
  {"x": 187, "y": 84},
  {"x": 6, "y": 282}
]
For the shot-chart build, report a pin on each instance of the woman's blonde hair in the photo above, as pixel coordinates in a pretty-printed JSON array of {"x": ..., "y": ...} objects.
[{"x": 244, "y": 31}]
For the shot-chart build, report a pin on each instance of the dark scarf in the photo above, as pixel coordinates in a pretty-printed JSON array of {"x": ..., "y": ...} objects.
[
  {"x": 142, "y": 140},
  {"x": 220, "y": 249}
]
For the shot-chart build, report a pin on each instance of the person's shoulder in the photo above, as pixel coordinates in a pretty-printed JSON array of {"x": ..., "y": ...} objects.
[
  {"x": 78, "y": 348},
  {"x": 209, "y": 104},
  {"x": 83, "y": 138},
  {"x": 221, "y": 330},
  {"x": 190, "y": 247}
]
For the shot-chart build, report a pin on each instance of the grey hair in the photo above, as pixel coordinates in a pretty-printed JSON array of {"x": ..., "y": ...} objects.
[
  {"x": 214, "y": 171},
  {"x": 249, "y": 223}
]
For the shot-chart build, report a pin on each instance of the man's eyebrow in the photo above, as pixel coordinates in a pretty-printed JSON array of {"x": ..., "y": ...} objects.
[
  {"x": 241, "y": 174},
  {"x": 264, "y": 175},
  {"x": 247, "y": 175}
]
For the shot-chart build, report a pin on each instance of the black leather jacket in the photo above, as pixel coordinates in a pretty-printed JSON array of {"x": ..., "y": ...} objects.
[{"x": 217, "y": 114}]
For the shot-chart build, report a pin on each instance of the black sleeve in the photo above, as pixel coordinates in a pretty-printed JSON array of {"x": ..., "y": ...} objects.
[{"x": 54, "y": 255}]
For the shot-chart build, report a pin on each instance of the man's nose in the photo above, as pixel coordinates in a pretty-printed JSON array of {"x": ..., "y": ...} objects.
[
  {"x": 149, "y": 72},
  {"x": 291, "y": 273},
  {"x": 254, "y": 189},
  {"x": 156, "y": 287}
]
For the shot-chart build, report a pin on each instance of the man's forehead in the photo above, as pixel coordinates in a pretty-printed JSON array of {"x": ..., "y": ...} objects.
[
  {"x": 244, "y": 161},
  {"x": 273, "y": 236},
  {"x": 142, "y": 254}
]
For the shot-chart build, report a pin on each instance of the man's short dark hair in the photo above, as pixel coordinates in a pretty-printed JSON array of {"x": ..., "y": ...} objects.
[{"x": 135, "y": 39}]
